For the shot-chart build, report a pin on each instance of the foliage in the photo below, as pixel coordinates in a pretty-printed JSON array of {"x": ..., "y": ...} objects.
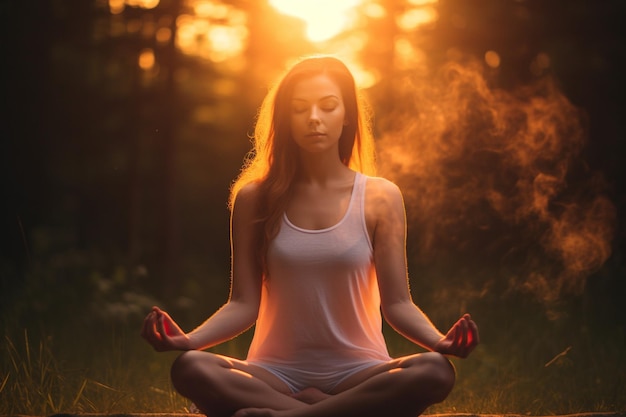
[{"x": 88, "y": 357}]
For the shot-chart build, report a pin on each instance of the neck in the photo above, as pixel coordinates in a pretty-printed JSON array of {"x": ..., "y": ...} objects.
[{"x": 321, "y": 168}]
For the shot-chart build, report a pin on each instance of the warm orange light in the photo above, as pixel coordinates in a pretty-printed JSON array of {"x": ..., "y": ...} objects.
[
  {"x": 208, "y": 8},
  {"x": 416, "y": 17},
  {"x": 144, "y": 4},
  {"x": 226, "y": 42},
  {"x": 407, "y": 56},
  {"x": 492, "y": 59},
  {"x": 163, "y": 35},
  {"x": 374, "y": 10},
  {"x": 118, "y": 6},
  {"x": 422, "y": 2},
  {"x": 364, "y": 78},
  {"x": 216, "y": 31},
  {"x": 146, "y": 59},
  {"x": 324, "y": 19}
]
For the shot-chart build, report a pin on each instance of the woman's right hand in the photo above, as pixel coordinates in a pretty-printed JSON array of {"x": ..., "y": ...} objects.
[{"x": 162, "y": 332}]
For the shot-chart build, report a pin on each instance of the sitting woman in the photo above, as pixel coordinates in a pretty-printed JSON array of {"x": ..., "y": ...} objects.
[{"x": 318, "y": 252}]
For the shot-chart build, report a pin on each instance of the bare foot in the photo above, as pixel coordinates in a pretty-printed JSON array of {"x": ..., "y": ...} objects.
[{"x": 310, "y": 395}]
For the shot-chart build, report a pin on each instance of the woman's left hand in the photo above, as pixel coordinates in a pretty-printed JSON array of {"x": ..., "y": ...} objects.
[{"x": 460, "y": 340}]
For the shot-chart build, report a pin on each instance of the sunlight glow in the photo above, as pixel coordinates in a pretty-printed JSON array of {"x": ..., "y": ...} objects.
[
  {"x": 216, "y": 31},
  {"x": 417, "y": 17},
  {"x": 118, "y": 6},
  {"x": 324, "y": 19},
  {"x": 422, "y": 2},
  {"x": 407, "y": 56},
  {"x": 206, "y": 8},
  {"x": 374, "y": 10},
  {"x": 144, "y": 4}
]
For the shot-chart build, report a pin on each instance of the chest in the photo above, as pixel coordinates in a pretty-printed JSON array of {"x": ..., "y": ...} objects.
[{"x": 316, "y": 208}]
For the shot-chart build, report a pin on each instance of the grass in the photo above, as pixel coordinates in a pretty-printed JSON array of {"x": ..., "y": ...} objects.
[
  {"x": 118, "y": 373},
  {"x": 38, "y": 381},
  {"x": 60, "y": 354}
]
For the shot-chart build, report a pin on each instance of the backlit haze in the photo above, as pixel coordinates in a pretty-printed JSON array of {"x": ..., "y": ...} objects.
[{"x": 478, "y": 165}]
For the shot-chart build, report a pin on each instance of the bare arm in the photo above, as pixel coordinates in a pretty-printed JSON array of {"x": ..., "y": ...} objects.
[
  {"x": 388, "y": 222},
  {"x": 241, "y": 310}
]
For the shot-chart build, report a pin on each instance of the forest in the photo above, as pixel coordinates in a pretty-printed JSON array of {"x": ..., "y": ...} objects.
[{"x": 126, "y": 121}]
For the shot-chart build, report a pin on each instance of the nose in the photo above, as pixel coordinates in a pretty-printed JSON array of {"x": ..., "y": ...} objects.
[{"x": 314, "y": 116}]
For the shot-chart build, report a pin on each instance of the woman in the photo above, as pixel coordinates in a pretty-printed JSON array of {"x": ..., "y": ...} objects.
[{"x": 318, "y": 251}]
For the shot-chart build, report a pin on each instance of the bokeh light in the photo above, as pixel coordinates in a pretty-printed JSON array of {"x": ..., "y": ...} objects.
[
  {"x": 215, "y": 31},
  {"x": 118, "y": 6},
  {"x": 416, "y": 17},
  {"x": 146, "y": 59},
  {"x": 492, "y": 58}
]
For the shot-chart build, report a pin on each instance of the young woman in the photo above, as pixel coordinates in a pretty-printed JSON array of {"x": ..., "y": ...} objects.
[{"x": 318, "y": 252}]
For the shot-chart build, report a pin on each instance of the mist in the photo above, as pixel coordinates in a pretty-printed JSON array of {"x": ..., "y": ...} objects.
[{"x": 498, "y": 176}]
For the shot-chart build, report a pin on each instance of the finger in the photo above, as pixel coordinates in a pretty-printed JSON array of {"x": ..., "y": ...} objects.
[
  {"x": 464, "y": 332},
  {"x": 161, "y": 327},
  {"x": 152, "y": 335},
  {"x": 147, "y": 323},
  {"x": 474, "y": 332},
  {"x": 458, "y": 340},
  {"x": 167, "y": 323}
]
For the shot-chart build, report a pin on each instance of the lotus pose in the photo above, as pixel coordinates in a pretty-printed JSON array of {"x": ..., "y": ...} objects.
[{"x": 318, "y": 259}]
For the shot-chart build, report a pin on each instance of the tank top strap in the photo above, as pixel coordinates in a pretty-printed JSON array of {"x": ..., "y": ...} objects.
[
  {"x": 359, "y": 194},
  {"x": 357, "y": 211}
]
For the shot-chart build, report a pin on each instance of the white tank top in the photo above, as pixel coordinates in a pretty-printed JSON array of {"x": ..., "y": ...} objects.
[{"x": 320, "y": 304}]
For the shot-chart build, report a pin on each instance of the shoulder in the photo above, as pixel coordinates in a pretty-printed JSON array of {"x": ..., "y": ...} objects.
[
  {"x": 247, "y": 200},
  {"x": 380, "y": 189},
  {"x": 382, "y": 197},
  {"x": 250, "y": 192}
]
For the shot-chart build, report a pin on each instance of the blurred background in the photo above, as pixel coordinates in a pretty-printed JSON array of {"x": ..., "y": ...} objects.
[{"x": 126, "y": 121}]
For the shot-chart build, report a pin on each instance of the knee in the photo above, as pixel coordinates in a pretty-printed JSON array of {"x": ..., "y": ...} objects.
[
  {"x": 187, "y": 369},
  {"x": 436, "y": 375},
  {"x": 442, "y": 375}
]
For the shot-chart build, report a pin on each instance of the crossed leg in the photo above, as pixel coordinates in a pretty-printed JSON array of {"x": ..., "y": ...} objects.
[
  {"x": 219, "y": 385},
  {"x": 225, "y": 387}
]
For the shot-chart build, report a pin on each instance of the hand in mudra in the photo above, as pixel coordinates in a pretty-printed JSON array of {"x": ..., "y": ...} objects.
[
  {"x": 162, "y": 332},
  {"x": 460, "y": 340}
]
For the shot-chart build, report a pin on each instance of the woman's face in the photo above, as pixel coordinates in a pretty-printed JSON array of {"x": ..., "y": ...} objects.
[{"x": 317, "y": 114}]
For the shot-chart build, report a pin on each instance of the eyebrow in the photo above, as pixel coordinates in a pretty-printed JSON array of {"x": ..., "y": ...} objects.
[{"x": 323, "y": 98}]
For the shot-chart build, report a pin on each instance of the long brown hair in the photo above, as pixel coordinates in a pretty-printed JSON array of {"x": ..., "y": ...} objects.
[{"x": 273, "y": 162}]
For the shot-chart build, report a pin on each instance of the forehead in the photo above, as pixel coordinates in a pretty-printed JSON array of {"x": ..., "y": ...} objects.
[{"x": 315, "y": 88}]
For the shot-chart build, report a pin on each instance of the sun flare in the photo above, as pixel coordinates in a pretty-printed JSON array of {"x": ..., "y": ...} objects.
[{"x": 324, "y": 19}]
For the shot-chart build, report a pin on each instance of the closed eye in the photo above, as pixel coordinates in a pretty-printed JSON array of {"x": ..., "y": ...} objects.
[
  {"x": 299, "y": 109},
  {"x": 329, "y": 104}
]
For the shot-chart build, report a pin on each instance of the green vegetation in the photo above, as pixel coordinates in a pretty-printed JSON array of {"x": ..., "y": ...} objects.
[
  {"x": 84, "y": 354},
  {"x": 123, "y": 375}
]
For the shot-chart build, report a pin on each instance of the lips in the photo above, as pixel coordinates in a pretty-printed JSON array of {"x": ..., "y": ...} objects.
[{"x": 315, "y": 134}]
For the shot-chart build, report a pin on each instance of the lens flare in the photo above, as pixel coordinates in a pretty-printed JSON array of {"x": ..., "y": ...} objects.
[
  {"x": 490, "y": 173},
  {"x": 324, "y": 19}
]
